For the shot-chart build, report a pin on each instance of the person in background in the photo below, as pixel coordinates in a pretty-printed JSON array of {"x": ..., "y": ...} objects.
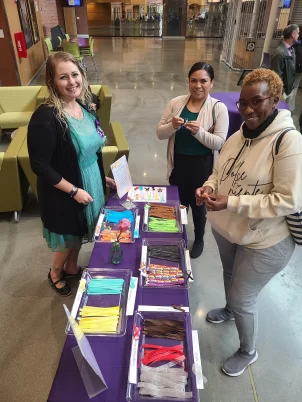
[
  {"x": 284, "y": 63},
  {"x": 298, "y": 52},
  {"x": 95, "y": 101},
  {"x": 195, "y": 125},
  {"x": 65, "y": 149},
  {"x": 251, "y": 191}
]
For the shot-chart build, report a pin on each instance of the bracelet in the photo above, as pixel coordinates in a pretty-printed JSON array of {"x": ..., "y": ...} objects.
[{"x": 73, "y": 192}]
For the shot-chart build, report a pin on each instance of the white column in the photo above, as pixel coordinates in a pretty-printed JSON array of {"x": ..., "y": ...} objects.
[
  {"x": 271, "y": 26},
  {"x": 254, "y": 18},
  {"x": 236, "y": 22}
]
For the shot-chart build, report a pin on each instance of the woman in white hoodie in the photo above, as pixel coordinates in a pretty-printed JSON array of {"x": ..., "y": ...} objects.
[
  {"x": 195, "y": 125},
  {"x": 250, "y": 192}
]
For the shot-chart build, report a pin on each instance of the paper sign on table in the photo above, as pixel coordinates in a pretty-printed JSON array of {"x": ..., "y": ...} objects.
[
  {"x": 146, "y": 214},
  {"x": 88, "y": 366},
  {"x": 148, "y": 194},
  {"x": 143, "y": 265},
  {"x": 165, "y": 309},
  {"x": 184, "y": 215},
  {"x": 188, "y": 266},
  {"x": 133, "y": 362},
  {"x": 131, "y": 295},
  {"x": 78, "y": 298},
  {"x": 99, "y": 226},
  {"x": 122, "y": 176},
  {"x": 197, "y": 360},
  {"x": 136, "y": 229}
]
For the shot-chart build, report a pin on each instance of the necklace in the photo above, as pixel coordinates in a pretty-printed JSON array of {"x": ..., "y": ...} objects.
[
  {"x": 75, "y": 116},
  {"x": 195, "y": 109}
]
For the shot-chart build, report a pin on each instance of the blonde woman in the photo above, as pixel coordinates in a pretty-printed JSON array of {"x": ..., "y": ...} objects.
[{"x": 64, "y": 143}]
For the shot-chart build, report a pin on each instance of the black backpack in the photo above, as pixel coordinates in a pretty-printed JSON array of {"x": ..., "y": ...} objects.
[
  {"x": 298, "y": 51},
  {"x": 294, "y": 221}
]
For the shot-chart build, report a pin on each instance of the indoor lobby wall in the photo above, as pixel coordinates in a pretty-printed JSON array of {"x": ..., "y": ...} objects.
[
  {"x": 49, "y": 15},
  {"x": 52, "y": 14},
  {"x": 99, "y": 14},
  {"x": 60, "y": 12},
  {"x": 8, "y": 70},
  {"x": 82, "y": 19},
  {"x": 80, "y": 13},
  {"x": 28, "y": 67}
]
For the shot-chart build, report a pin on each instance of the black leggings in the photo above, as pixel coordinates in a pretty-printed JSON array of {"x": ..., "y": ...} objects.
[{"x": 189, "y": 173}]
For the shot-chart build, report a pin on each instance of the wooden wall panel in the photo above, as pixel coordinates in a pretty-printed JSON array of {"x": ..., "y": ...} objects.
[{"x": 8, "y": 70}]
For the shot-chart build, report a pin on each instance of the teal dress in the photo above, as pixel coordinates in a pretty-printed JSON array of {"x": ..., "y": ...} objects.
[{"x": 87, "y": 143}]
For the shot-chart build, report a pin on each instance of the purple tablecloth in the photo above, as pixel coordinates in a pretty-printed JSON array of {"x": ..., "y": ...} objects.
[
  {"x": 230, "y": 99},
  {"x": 113, "y": 353}
]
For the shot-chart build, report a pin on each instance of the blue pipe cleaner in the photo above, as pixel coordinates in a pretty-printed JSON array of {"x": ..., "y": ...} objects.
[{"x": 117, "y": 216}]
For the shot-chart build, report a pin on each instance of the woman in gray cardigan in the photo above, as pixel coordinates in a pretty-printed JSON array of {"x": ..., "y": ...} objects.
[{"x": 195, "y": 125}]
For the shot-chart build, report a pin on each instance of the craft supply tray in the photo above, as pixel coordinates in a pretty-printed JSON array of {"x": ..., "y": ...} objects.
[
  {"x": 103, "y": 223},
  {"x": 146, "y": 220},
  {"x": 146, "y": 260},
  {"x": 83, "y": 299},
  {"x": 137, "y": 354}
]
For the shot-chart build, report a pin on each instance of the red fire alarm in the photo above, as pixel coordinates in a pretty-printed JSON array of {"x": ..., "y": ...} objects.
[{"x": 21, "y": 45}]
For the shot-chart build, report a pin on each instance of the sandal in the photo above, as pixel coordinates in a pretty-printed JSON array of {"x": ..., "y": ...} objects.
[
  {"x": 66, "y": 275},
  {"x": 64, "y": 291}
]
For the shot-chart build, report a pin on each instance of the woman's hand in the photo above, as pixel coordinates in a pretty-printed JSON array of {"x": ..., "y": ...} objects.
[
  {"x": 202, "y": 194},
  {"x": 177, "y": 122},
  {"x": 82, "y": 197},
  {"x": 217, "y": 202},
  {"x": 110, "y": 183},
  {"x": 193, "y": 126}
]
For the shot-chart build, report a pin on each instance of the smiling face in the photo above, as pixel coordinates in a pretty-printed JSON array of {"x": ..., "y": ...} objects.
[
  {"x": 256, "y": 112},
  {"x": 68, "y": 81},
  {"x": 200, "y": 84}
]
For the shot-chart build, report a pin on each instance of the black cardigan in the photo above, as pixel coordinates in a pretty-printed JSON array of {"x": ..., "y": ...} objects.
[{"x": 53, "y": 157}]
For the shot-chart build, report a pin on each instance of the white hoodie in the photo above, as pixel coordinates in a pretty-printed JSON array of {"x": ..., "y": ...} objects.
[{"x": 262, "y": 187}]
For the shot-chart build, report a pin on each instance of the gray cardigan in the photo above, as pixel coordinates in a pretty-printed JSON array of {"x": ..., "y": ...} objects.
[
  {"x": 285, "y": 66},
  {"x": 212, "y": 137}
]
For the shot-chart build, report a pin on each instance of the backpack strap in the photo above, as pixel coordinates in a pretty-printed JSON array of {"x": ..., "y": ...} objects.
[
  {"x": 214, "y": 114},
  {"x": 279, "y": 139},
  {"x": 211, "y": 129}
]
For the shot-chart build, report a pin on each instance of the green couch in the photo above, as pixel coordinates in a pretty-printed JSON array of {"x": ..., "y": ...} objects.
[
  {"x": 13, "y": 183},
  {"x": 115, "y": 147},
  {"x": 103, "y": 93},
  {"x": 17, "y": 105}
]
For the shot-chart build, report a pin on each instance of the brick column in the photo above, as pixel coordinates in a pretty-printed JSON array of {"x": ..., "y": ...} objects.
[{"x": 49, "y": 15}]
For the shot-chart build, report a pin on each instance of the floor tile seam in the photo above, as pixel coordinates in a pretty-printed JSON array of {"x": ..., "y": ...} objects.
[{"x": 252, "y": 381}]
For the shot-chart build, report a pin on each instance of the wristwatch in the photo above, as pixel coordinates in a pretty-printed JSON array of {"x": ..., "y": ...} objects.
[{"x": 73, "y": 192}]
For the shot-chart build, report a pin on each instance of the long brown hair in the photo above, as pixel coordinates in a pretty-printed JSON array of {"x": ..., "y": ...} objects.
[{"x": 54, "y": 97}]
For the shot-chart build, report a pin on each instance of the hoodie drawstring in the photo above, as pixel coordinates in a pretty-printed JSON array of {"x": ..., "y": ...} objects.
[{"x": 247, "y": 143}]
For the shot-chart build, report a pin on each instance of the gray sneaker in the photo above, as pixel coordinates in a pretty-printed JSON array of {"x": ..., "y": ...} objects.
[
  {"x": 219, "y": 315},
  {"x": 236, "y": 364}
]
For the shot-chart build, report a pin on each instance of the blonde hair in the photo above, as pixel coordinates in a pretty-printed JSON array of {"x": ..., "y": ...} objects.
[
  {"x": 275, "y": 83},
  {"x": 54, "y": 96}
]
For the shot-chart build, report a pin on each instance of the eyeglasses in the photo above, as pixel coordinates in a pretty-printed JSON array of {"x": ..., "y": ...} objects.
[{"x": 254, "y": 104}]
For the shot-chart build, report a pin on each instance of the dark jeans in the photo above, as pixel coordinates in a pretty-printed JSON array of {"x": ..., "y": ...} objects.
[
  {"x": 189, "y": 173},
  {"x": 300, "y": 122}
]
